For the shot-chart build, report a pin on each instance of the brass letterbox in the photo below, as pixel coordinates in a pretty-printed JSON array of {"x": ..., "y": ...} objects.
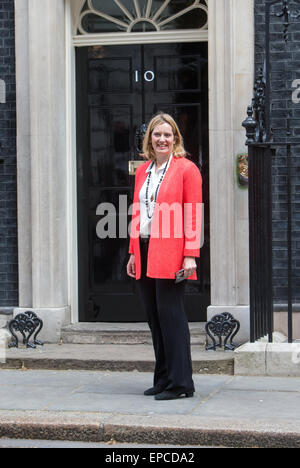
[{"x": 133, "y": 165}]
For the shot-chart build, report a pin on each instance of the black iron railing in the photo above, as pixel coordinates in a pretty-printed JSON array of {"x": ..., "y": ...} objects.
[
  {"x": 260, "y": 158},
  {"x": 260, "y": 241},
  {"x": 263, "y": 149}
]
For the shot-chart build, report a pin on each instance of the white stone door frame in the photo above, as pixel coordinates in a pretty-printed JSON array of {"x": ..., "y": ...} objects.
[
  {"x": 231, "y": 71},
  {"x": 44, "y": 248},
  {"x": 46, "y": 159}
]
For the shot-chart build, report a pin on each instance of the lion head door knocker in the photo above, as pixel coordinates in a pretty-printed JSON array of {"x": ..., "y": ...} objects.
[
  {"x": 138, "y": 149},
  {"x": 139, "y": 138}
]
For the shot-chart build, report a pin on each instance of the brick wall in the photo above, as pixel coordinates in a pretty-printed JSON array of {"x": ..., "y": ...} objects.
[
  {"x": 285, "y": 68},
  {"x": 8, "y": 189}
]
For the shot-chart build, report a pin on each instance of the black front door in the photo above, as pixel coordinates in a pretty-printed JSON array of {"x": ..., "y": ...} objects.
[{"x": 118, "y": 89}]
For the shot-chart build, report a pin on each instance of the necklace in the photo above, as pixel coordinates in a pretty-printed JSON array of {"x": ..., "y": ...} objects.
[{"x": 157, "y": 188}]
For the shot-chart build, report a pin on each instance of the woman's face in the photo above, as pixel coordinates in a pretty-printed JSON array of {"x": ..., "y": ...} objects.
[{"x": 163, "y": 139}]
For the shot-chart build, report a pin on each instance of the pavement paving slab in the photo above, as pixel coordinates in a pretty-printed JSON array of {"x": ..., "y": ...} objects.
[{"x": 99, "y": 406}]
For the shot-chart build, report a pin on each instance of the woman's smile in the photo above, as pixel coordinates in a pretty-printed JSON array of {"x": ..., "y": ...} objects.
[{"x": 163, "y": 139}]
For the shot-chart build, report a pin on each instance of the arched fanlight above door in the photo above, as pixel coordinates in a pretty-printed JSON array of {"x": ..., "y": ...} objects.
[{"x": 142, "y": 16}]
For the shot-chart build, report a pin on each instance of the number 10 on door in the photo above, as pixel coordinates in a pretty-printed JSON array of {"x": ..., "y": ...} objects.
[{"x": 149, "y": 76}]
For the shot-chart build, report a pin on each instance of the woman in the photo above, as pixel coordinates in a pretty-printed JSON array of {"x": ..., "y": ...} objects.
[{"x": 164, "y": 241}]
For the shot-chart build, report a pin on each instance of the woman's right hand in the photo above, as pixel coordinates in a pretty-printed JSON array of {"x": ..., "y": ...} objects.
[{"x": 131, "y": 266}]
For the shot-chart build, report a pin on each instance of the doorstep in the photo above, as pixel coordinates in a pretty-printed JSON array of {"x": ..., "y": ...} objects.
[
  {"x": 121, "y": 333},
  {"x": 110, "y": 357}
]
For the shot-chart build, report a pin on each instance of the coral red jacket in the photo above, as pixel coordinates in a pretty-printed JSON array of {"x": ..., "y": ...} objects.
[{"x": 177, "y": 219}]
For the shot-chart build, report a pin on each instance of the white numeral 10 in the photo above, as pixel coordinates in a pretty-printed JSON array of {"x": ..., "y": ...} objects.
[{"x": 148, "y": 76}]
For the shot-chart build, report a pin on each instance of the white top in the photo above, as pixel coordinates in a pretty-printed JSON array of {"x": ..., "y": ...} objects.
[{"x": 145, "y": 222}]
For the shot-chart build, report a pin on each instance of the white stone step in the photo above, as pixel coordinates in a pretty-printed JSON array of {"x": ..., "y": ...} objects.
[{"x": 121, "y": 333}]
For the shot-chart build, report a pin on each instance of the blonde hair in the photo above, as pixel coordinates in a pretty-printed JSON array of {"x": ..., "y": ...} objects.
[{"x": 159, "y": 119}]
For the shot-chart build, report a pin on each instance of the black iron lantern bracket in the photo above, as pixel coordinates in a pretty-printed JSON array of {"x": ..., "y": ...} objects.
[{"x": 287, "y": 14}]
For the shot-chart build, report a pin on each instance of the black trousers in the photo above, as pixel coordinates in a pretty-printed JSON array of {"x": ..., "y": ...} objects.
[{"x": 163, "y": 303}]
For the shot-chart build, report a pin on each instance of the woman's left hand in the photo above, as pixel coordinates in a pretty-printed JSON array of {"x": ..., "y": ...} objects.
[{"x": 189, "y": 265}]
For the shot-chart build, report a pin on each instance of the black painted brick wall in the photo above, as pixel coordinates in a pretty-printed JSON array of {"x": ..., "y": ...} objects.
[
  {"x": 285, "y": 67},
  {"x": 8, "y": 186}
]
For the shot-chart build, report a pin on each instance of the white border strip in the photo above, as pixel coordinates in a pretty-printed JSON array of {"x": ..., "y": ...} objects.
[
  {"x": 71, "y": 167},
  {"x": 188, "y": 35}
]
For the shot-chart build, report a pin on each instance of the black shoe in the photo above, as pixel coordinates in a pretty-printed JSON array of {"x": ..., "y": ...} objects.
[
  {"x": 169, "y": 395},
  {"x": 153, "y": 391}
]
